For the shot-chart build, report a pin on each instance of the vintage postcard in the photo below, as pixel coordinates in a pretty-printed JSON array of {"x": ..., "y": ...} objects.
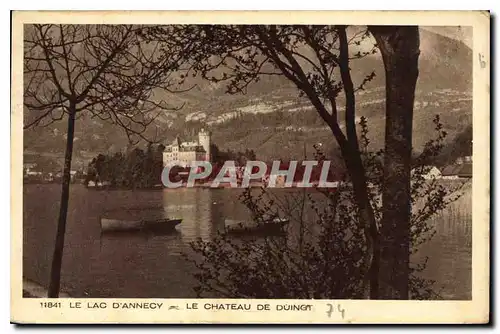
[{"x": 250, "y": 167}]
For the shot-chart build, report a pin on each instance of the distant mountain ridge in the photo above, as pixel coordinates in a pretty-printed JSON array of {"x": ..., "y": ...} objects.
[{"x": 275, "y": 122}]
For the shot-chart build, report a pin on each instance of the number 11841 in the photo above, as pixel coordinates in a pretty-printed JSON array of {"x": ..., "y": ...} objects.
[{"x": 50, "y": 304}]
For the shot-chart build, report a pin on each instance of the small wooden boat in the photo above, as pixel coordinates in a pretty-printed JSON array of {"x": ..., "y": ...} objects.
[
  {"x": 264, "y": 226},
  {"x": 146, "y": 225}
]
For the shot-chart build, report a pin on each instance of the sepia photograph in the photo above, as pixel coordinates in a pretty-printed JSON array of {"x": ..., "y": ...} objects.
[{"x": 228, "y": 164}]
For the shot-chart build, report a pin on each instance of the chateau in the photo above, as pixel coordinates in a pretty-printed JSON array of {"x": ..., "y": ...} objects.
[{"x": 180, "y": 153}]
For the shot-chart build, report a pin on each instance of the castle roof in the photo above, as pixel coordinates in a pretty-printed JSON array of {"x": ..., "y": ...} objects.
[
  {"x": 177, "y": 141},
  {"x": 205, "y": 132},
  {"x": 187, "y": 146}
]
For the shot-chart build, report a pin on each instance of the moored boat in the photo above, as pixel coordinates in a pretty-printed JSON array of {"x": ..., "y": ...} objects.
[
  {"x": 149, "y": 225},
  {"x": 274, "y": 225}
]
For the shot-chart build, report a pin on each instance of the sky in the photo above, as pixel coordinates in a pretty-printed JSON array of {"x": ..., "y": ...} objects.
[{"x": 463, "y": 34}]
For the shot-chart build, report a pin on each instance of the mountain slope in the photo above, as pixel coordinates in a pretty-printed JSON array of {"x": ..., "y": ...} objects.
[{"x": 271, "y": 119}]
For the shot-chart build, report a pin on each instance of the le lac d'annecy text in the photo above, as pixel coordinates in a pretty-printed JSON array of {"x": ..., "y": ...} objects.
[{"x": 209, "y": 306}]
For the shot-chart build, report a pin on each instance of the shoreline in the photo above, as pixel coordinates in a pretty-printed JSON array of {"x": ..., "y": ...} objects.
[{"x": 32, "y": 289}]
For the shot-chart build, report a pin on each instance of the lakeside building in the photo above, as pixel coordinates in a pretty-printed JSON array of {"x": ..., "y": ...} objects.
[
  {"x": 428, "y": 172},
  {"x": 29, "y": 169},
  {"x": 461, "y": 169},
  {"x": 180, "y": 153}
]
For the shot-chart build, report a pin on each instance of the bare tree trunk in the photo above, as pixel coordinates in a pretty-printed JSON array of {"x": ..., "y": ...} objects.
[
  {"x": 399, "y": 47},
  {"x": 55, "y": 270},
  {"x": 352, "y": 157}
]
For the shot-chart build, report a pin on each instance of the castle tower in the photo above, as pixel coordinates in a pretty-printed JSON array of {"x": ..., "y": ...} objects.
[{"x": 204, "y": 140}]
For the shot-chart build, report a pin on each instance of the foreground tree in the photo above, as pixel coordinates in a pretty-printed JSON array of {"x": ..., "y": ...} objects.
[
  {"x": 321, "y": 254},
  {"x": 106, "y": 71},
  {"x": 317, "y": 60},
  {"x": 399, "y": 47}
]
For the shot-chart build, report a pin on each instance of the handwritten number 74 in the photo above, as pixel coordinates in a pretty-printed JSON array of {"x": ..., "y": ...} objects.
[{"x": 332, "y": 309}]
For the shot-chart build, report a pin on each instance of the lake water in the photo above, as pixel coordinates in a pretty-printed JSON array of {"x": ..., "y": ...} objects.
[{"x": 141, "y": 266}]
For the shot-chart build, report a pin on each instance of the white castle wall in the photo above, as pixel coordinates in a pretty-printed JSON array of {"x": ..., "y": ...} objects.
[{"x": 184, "y": 158}]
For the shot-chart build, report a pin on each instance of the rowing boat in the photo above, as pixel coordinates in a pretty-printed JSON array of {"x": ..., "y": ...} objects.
[
  {"x": 259, "y": 226},
  {"x": 150, "y": 225}
]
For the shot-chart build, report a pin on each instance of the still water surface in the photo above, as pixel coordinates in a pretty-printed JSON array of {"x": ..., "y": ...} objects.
[{"x": 139, "y": 266}]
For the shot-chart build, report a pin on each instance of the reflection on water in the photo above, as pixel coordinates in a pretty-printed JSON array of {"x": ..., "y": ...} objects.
[
  {"x": 450, "y": 251},
  {"x": 152, "y": 265}
]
